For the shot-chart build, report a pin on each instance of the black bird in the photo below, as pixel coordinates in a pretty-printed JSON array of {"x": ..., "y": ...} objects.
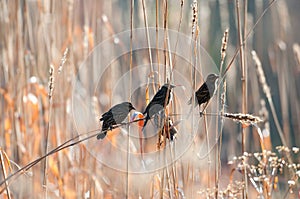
[
  {"x": 115, "y": 115},
  {"x": 158, "y": 102},
  {"x": 206, "y": 90}
]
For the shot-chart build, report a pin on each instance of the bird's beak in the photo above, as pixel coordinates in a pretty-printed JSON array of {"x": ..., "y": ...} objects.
[
  {"x": 174, "y": 85},
  {"x": 132, "y": 108}
]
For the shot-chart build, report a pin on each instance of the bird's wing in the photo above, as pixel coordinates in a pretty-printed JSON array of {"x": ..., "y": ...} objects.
[
  {"x": 159, "y": 98},
  {"x": 108, "y": 118},
  {"x": 105, "y": 115},
  {"x": 105, "y": 126},
  {"x": 120, "y": 113},
  {"x": 202, "y": 94}
]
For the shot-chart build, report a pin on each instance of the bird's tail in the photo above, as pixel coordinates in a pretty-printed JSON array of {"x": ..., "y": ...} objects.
[
  {"x": 101, "y": 135},
  {"x": 103, "y": 132}
]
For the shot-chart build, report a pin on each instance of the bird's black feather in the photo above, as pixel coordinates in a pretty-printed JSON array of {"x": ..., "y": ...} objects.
[
  {"x": 114, "y": 116},
  {"x": 206, "y": 90},
  {"x": 160, "y": 99}
]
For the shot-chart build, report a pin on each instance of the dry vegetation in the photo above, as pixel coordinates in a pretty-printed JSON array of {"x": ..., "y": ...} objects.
[{"x": 248, "y": 138}]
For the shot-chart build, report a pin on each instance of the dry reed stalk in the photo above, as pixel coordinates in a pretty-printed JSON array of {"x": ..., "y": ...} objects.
[
  {"x": 148, "y": 42},
  {"x": 296, "y": 50},
  {"x": 165, "y": 26},
  {"x": 284, "y": 85},
  {"x": 178, "y": 30},
  {"x": 223, "y": 102},
  {"x": 130, "y": 86},
  {"x": 240, "y": 46},
  {"x": 217, "y": 151},
  {"x": 69, "y": 143},
  {"x": 12, "y": 77},
  {"x": 51, "y": 85},
  {"x": 4, "y": 172},
  {"x": 242, "y": 42},
  {"x": 264, "y": 115},
  {"x": 58, "y": 127},
  {"x": 157, "y": 39},
  {"x": 209, "y": 162},
  {"x": 161, "y": 187},
  {"x": 247, "y": 36},
  {"x": 193, "y": 66},
  {"x": 46, "y": 140},
  {"x": 158, "y": 60},
  {"x": 267, "y": 91},
  {"x": 169, "y": 186},
  {"x": 197, "y": 61}
]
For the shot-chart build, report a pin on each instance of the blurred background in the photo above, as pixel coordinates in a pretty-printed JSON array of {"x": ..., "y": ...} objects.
[{"x": 36, "y": 36}]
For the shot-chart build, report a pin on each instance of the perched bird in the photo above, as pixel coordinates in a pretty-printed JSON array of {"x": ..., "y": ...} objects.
[
  {"x": 158, "y": 102},
  {"x": 114, "y": 116},
  {"x": 206, "y": 90}
]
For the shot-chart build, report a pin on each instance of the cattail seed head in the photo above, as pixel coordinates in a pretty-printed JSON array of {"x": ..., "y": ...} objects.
[
  {"x": 51, "y": 81},
  {"x": 195, "y": 17},
  {"x": 224, "y": 44},
  {"x": 181, "y": 3},
  {"x": 63, "y": 60},
  {"x": 243, "y": 118},
  {"x": 261, "y": 75},
  {"x": 223, "y": 98}
]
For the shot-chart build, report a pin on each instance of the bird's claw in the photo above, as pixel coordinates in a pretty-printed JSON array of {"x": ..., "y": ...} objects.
[{"x": 201, "y": 113}]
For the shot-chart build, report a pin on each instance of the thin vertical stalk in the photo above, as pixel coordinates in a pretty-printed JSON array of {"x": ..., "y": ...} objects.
[
  {"x": 245, "y": 83},
  {"x": 4, "y": 174},
  {"x": 130, "y": 86},
  {"x": 246, "y": 37},
  {"x": 194, "y": 52},
  {"x": 217, "y": 149},
  {"x": 165, "y": 40},
  {"x": 148, "y": 42},
  {"x": 194, "y": 65},
  {"x": 267, "y": 91},
  {"x": 50, "y": 94},
  {"x": 208, "y": 151},
  {"x": 157, "y": 45},
  {"x": 173, "y": 168},
  {"x": 167, "y": 173},
  {"x": 165, "y": 26},
  {"x": 217, "y": 159},
  {"x": 161, "y": 190},
  {"x": 244, "y": 97},
  {"x": 178, "y": 29}
]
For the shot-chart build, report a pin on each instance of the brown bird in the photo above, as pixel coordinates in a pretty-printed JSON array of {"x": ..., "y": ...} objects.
[
  {"x": 206, "y": 90},
  {"x": 115, "y": 115}
]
